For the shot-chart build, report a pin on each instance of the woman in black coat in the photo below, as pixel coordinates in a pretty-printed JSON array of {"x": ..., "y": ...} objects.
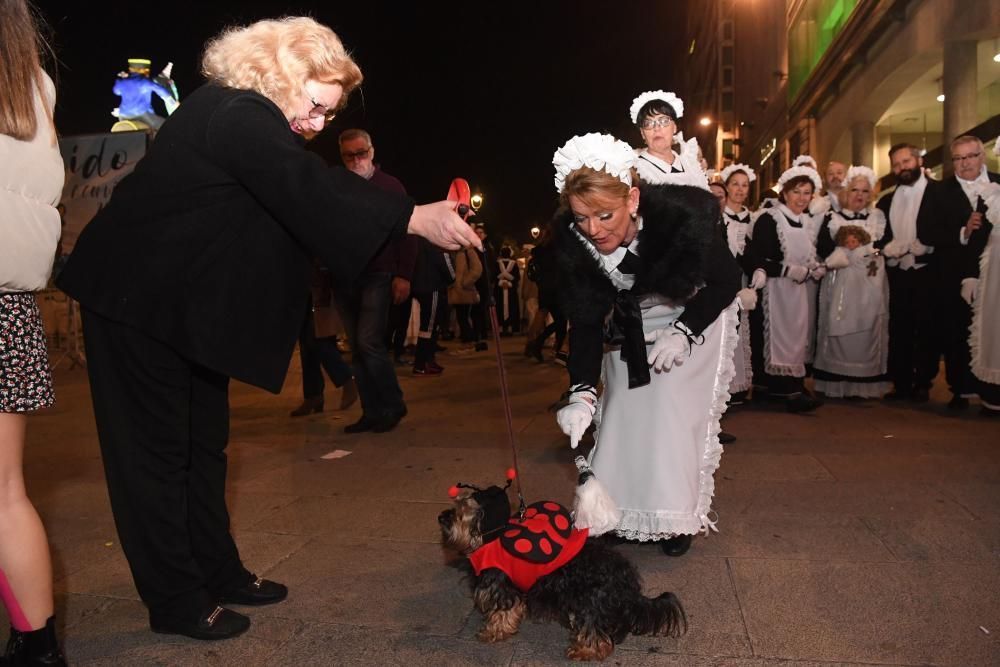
[
  {"x": 649, "y": 288},
  {"x": 197, "y": 272}
]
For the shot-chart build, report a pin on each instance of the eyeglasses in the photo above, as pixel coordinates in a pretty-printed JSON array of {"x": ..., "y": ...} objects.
[
  {"x": 963, "y": 158},
  {"x": 356, "y": 155},
  {"x": 320, "y": 110},
  {"x": 653, "y": 123}
]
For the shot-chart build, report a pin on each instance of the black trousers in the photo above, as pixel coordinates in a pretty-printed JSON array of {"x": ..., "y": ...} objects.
[
  {"x": 917, "y": 333},
  {"x": 163, "y": 425},
  {"x": 957, "y": 355}
]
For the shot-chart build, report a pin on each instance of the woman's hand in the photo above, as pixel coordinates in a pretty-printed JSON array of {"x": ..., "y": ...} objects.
[
  {"x": 442, "y": 226},
  {"x": 577, "y": 414},
  {"x": 669, "y": 348}
]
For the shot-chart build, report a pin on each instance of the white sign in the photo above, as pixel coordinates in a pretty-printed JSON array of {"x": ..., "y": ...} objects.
[{"x": 95, "y": 163}]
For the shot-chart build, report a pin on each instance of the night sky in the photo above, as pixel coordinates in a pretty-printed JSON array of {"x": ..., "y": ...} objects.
[{"x": 486, "y": 91}]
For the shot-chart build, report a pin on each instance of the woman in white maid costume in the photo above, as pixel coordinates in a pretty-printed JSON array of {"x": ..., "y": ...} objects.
[
  {"x": 655, "y": 113},
  {"x": 649, "y": 287},
  {"x": 736, "y": 216},
  {"x": 783, "y": 259},
  {"x": 852, "y": 341}
]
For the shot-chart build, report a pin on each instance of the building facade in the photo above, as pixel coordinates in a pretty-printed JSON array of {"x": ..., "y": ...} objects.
[{"x": 845, "y": 79}]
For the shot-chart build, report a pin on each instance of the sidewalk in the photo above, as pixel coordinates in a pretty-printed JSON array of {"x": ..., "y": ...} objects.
[{"x": 865, "y": 534}]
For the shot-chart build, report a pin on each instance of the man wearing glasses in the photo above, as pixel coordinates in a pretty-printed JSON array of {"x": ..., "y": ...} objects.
[
  {"x": 961, "y": 241},
  {"x": 365, "y": 305}
]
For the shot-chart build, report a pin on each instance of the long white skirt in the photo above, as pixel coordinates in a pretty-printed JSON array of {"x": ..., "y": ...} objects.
[{"x": 658, "y": 445}]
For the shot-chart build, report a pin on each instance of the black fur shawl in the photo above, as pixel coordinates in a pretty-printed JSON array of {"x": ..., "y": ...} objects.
[{"x": 678, "y": 226}]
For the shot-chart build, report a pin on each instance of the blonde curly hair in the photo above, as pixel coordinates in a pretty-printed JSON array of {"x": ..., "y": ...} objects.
[{"x": 275, "y": 57}]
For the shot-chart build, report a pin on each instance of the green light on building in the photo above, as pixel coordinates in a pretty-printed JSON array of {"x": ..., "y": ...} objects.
[{"x": 816, "y": 24}]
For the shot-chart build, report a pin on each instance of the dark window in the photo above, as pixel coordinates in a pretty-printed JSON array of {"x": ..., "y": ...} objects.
[
  {"x": 727, "y": 149},
  {"x": 727, "y": 55},
  {"x": 727, "y": 76},
  {"x": 727, "y": 102}
]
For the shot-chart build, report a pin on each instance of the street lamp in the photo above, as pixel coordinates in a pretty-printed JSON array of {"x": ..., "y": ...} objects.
[
  {"x": 535, "y": 232},
  {"x": 705, "y": 121},
  {"x": 476, "y": 201}
]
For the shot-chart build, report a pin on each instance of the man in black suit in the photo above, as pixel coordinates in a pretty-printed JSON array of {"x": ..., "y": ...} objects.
[
  {"x": 960, "y": 239},
  {"x": 912, "y": 216}
]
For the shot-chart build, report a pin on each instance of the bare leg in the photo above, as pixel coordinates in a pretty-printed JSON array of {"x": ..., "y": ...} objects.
[{"x": 24, "y": 549}]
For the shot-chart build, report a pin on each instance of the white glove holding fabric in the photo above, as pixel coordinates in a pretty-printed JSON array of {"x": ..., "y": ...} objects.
[
  {"x": 894, "y": 249},
  {"x": 670, "y": 346},
  {"x": 759, "y": 279},
  {"x": 576, "y": 417},
  {"x": 838, "y": 259},
  {"x": 969, "y": 288},
  {"x": 748, "y": 298},
  {"x": 918, "y": 249},
  {"x": 818, "y": 273},
  {"x": 796, "y": 272}
]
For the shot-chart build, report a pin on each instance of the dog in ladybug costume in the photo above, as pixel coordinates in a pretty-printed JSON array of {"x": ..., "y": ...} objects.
[{"x": 541, "y": 566}]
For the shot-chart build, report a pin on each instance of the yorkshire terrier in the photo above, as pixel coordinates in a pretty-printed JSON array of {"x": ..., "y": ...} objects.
[{"x": 543, "y": 567}]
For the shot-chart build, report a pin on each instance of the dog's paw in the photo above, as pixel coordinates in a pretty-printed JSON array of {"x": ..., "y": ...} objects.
[{"x": 492, "y": 635}]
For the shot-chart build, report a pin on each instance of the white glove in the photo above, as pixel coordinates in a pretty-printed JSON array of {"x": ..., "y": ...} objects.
[
  {"x": 838, "y": 259},
  {"x": 748, "y": 298},
  {"x": 969, "y": 288},
  {"x": 669, "y": 348},
  {"x": 576, "y": 416},
  {"x": 818, "y": 273},
  {"x": 894, "y": 249},
  {"x": 759, "y": 279},
  {"x": 918, "y": 248},
  {"x": 796, "y": 272}
]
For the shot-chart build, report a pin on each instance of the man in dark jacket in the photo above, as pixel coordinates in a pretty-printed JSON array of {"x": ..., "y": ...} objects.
[
  {"x": 960, "y": 240},
  {"x": 366, "y": 303},
  {"x": 913, "y": 268}
]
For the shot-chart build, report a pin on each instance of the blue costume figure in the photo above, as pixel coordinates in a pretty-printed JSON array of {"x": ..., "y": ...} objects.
[{"x": 136, "y": 89}]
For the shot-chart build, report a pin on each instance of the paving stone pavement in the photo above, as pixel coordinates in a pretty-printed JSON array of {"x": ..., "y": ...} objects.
[{"x": 865, "y": 534}]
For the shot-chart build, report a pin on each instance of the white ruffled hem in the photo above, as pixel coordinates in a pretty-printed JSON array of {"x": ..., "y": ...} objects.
[
  {"x": 978, "y": 365},
  {"x": 646, "y": 526},
  {"x": 845, "y": 389}
]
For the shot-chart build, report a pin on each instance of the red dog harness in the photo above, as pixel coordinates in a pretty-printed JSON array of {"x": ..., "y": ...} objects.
[{"x": 539, "y": 545}]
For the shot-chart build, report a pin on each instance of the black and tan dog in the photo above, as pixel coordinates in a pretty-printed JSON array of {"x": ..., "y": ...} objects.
[{"x": 543, "y": 567}]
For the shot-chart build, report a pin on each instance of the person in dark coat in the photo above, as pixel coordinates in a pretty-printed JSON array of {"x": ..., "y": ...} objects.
[
  {"x": 959, "y": 241},
  {"x": 197, "y": 272},
  {"x": 914, "y": 270}
]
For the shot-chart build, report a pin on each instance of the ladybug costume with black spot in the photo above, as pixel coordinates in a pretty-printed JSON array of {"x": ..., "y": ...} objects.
[{"x": 531, "y": 548}]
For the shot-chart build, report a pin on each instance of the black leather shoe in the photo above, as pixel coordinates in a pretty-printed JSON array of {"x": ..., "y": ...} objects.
[
  {"x": 676, "y": 546},
  {"x": 360, "y": 426},
  {"x": 801, "y": 403},
  {"x": 257, "y": 592},
  {"x": 308, "y": 407},
  {"x": 389, "y": 422},
  {"x": 726, "y": 438},
  {"x": 920, "y": 396},
  {"x": 958, "y": 403},
  {"x": 215, "y": 623}
]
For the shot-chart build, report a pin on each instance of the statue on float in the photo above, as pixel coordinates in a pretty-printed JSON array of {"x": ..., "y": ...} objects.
[{"x": 136, "y": 88}]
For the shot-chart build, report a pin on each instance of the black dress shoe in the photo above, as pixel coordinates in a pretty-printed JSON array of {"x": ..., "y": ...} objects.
[
  {"x": 388, "y": 422},
  {"x": 958, "y": 403},
  {"x": 360, "y": 426},
  {"x": 215, "y": 623},
  {"x": 920, "y": 396},
  {"x": 676, "y": 546},
  {"x": 801, "y": 403},
  {"x": 726, "y": 438},
  {"x": 308, "y": 407},
  {"x": 257, "y": 592}
]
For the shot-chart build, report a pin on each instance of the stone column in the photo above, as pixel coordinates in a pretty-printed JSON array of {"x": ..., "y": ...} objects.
[
  {"x": 959, "y": 86},
  {"x": 863, "y": 143}
]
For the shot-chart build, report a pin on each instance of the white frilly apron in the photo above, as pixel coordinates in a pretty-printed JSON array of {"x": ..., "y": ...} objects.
[
  {"x": 984, "y": 334},
  {"x": 658, "y": 445},
  {"x": 853, "y": 337},
  {"x": 505, "y": 279},
  {"x": 788, "y": 306}
]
